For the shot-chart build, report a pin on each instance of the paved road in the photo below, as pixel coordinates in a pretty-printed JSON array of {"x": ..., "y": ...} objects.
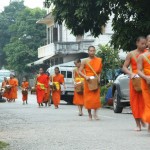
[{"x": 30, "y": 128}]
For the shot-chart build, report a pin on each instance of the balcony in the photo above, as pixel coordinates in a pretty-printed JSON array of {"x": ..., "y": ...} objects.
[
  {"x": 46, "y": 50},
  {"x": 64, "y": 48},
  {"x": 72, "y": 47}
]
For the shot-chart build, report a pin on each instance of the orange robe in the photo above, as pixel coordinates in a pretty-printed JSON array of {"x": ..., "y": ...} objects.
[
  {"x": 4, "y": 83},
  {"x": 56, "y": 95},
  {"x": 92, "y": 98},
  {"x": 146, "y": 92},
  {"x": 25, "y": 85},
  {"x": 78, "y": 98},
  {"x": 47, "y": 95},
  {"x": 12, "y": 93},
  {"x": 136, "y": 98},
  {"x": 41, "y": 87},
  {"x": 16, "y": 89}
]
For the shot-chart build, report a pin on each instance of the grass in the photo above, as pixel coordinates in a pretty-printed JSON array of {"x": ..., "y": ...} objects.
[{"x": 3, "y": 145}]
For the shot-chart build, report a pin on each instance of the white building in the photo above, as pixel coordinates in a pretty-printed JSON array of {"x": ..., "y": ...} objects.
[{"x": 62, "y": 46}]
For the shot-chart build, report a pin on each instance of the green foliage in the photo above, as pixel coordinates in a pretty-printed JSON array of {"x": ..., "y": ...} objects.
[
  {"x": 111, "y": 61},
  {"x": 25, "y": 36},
  {"x": 3, "y": 145},
  {"x": 104, "y": 89},
  {"x": 130, "y": 18},
  {"x": 7, "y": 18}
]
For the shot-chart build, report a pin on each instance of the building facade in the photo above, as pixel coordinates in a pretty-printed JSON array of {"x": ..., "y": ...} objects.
[{"x": 62, "y": 46}]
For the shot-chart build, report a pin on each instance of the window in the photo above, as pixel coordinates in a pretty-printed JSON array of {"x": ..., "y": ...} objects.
[
  {"x": 69, "y": 74},
  {"x": 48, "y": 35},
  {"x": 64, "y": 73},
  {"x": 56, "y": 61},
  {"x": 61, "y": 60}
]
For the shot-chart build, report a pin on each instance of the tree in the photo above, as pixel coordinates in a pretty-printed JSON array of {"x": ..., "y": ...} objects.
[
  {"x": 130, "y": 18},
  {"x": 26, "y": 37},
  {"x": 111, "y": 62},
  {"x": 7, "y": 18}
]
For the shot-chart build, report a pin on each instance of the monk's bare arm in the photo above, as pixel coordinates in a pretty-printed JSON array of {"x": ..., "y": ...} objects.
[
  {"x": 81, "y": 69},
  {"x": 140, "y": 67},
  {"x": 74, "y": 76},
  {"x": 126, "y": 65}
]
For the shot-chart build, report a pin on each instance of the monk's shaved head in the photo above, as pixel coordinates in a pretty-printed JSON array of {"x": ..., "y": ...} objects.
[
  {"x": 41, "y": 71},
  {"x": 141, "y": 43},
  {"x": 148, "y": 36},
  {"x": 140, "y": 38}
]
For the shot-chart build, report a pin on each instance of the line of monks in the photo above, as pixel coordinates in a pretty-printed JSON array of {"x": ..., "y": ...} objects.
[
  {"x": 87, "y": 79},
  {"x": 86, "y": 74},
  {"x": 139, "y": 62}
]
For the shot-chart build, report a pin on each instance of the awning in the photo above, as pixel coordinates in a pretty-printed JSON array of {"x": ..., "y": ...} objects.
[
  {"x": 47, "y": 19},
  {"x": 40, "y": 61}
]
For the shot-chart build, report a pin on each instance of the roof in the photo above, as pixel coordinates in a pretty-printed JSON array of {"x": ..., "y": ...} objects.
[
  {"x": 48, "y": 18},
  {"x": 40, "y": 61}
]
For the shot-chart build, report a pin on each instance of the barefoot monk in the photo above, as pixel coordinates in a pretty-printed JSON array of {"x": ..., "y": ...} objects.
[
  {"x": 136, "y": 98},
  {"x": 78, "y": 81},
  {"x": 93, "y": 67},
  {"x": 42, "y": 80},
  {"x": 57, "y": 80},
  {"x": 144, "y": 72}
]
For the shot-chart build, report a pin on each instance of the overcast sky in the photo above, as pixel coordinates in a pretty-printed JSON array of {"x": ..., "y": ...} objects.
[{"x": 29, "y": 3}]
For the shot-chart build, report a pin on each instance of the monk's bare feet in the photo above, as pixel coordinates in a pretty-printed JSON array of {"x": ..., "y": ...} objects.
[
  {"x": 90, "y": 117},
  {"x": 56, "y": 107},
  {"x": 96, "y": 117},
  {"x": 80, "y": 114},
  {"x": 137, "y": 129}
]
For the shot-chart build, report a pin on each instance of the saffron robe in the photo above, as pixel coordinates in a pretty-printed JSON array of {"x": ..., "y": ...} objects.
[
  {"x": 136, "y": 98},
  {"x": 92, "y": 98},
  {"x": 25, "y": 85},
  {"x": 41, "y": 87},
  {"x": 56, "y": 94},
  {"x": 12, "y": 94},
  {"x": 78, "y": 98},
  {"x": 146, "y": 92}
]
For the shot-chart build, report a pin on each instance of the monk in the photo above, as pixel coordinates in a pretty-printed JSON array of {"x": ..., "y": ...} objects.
[
  {"x": 41, "y": 86},
  {"x": 13, "y": 84},
  {"x": 136, "y": 98},
  {"x": 78, "y": 97},
  {"x": 57, "y": 79},
  {"x": 93, "y": 67},
  {"x": 47, "y": 95},
  {"x": 4, "y": 84},
  {"x": 16, "y": 89},
  {"x": 25, "y": 86},
  {"x": 144, "y": 72}
]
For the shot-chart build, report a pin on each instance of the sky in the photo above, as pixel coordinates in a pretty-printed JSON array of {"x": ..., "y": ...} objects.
[{"x": 29, "y": 3}]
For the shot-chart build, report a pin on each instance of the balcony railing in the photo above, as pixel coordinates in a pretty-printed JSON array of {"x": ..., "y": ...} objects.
[
  {"x": 64, "y": 48},
  {"x": 72, "y": 47},
  {"x": 46, "y": 50}
]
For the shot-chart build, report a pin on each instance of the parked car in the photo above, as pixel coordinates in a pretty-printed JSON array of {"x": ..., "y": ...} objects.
[
  {"x": 67, "y": 70},
  {"x": 120, "y": 93}
]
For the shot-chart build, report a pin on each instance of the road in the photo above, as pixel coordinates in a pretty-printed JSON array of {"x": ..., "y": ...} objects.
[{"x": 27, "y": 127}]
